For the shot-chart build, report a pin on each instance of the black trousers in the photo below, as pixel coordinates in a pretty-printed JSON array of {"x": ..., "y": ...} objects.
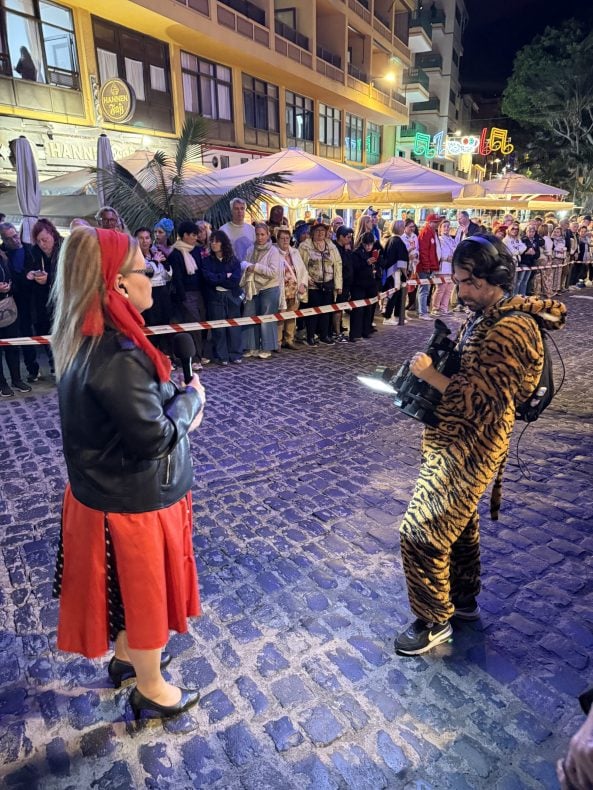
[
  {"x": 361, "y": 318},
  {"x": 319, "y": 323},
  {"x": 25, "y": 329}
]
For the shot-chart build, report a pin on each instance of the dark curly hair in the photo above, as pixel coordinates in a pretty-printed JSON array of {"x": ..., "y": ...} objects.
[
  {"x": 486, "y": 257},
  {"x": 45, "y": 224},
  {"x": 226, "y": 246}
]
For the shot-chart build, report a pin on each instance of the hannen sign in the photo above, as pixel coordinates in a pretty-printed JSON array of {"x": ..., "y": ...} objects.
[{"x": 117, "y": 101}]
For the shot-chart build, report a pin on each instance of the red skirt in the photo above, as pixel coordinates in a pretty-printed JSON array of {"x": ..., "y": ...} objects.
[{"x": 124, "y": 570}]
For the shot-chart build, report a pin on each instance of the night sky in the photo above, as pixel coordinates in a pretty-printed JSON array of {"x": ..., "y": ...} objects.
[{"x": 497, "y": 30}]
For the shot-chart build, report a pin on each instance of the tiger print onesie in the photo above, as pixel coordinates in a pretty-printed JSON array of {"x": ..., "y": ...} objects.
[{"x": 501, "y": 361}]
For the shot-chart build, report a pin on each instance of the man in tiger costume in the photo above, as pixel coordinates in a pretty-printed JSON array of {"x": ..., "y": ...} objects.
[{"x": 502, "y": 357}]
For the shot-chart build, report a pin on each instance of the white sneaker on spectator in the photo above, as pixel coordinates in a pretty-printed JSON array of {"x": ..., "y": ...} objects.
[
  {"x": 391, "y": 321},
  {"x": 250, "y": 353},
  {"x": 264, "y": 354}
]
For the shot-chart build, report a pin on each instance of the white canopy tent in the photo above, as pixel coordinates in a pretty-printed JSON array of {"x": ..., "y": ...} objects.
[
  {"x": 311, "y": 178},
  {"x": 404, "y": 181},
  {"x": 513, "y": 185}
]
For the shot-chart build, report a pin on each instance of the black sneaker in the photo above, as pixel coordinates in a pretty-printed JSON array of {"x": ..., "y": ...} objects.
[
  {"x": 5, "y": 391},
  {"x": 32, "y": 378},
  {"x": 327, "y": 341},
  {"x": 467, "y": 609},
  {"x": 312, "y": 342},
  {"x": 421, "y": 636},
  {"x": 21, "y": 386}
]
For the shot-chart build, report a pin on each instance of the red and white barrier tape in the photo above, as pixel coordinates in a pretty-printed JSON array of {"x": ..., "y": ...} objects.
[{"x": 165, "y": 329}]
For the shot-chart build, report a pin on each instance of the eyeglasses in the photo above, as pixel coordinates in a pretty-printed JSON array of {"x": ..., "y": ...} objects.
[{"x": 147, "y": 272}]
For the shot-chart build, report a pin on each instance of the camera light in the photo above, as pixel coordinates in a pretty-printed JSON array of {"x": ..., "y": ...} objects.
[{"x": 379, "y": 381}]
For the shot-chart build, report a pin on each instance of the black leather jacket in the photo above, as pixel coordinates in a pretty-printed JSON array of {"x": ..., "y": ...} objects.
[{"x": 125, "y": 434}]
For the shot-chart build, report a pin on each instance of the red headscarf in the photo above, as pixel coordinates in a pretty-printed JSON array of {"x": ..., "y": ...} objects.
[{"x": 119, "y": 310}]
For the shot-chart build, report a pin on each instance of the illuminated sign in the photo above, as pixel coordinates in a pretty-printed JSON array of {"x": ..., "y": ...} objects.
[
  {"x": 440, "y": 146},
  {"x": 117, "y": 101}
]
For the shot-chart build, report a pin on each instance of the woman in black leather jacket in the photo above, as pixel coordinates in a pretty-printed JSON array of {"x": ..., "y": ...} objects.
[{"x": 126, "y": 571}]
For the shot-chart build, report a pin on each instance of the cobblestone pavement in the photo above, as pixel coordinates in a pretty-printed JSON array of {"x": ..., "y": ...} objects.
[{"x": 301, "y": 478}]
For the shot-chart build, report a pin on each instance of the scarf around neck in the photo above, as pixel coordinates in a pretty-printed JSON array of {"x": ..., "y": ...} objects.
[
  {"x": 191, "y": 267},
  {"x": 259, "y": 250}
]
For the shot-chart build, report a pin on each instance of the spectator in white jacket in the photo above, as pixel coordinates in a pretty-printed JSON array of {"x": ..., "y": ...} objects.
[
  {"x": 263, "y": 283},
  {"x": 295, "y": 285},
  {"x": 442, "y": 292}
]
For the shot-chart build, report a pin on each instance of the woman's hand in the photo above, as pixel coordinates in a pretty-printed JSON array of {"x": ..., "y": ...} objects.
[
  {"x": 41, "y": 278},
  {"x": 196, "y": 384},
  {"x": 4, "y": 288},
  {"x": 421, "y": 365}
]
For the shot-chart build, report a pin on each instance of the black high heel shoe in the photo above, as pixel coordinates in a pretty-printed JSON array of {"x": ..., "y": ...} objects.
[
  {"x": 119, "y": 670},
  {"x": 138, "y": 703}
]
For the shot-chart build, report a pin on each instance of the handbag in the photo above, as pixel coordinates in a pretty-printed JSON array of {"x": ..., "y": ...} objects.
[{"x": 8, "y": 311}]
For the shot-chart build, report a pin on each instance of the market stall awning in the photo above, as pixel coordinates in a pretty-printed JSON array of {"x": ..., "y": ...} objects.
[
  {"x": 405, "y": 181},
  {"x": 512, "y": 185},
  {"x": 311, "y": 178}
]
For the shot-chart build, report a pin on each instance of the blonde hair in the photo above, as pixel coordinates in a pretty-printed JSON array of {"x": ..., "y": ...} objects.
[
  {"x": 397, "y": 227},
  {"x": 79, "y": 279},
  {"x": 361, "y": 229}
]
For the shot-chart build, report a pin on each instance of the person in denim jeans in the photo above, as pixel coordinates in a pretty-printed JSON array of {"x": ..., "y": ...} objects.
[
  {"x": 429, "y": 261},
  {"x": 221, "y": 271},
  {"x": 262, "y": 280}
]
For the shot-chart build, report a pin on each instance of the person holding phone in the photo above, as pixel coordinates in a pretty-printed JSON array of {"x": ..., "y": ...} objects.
[
  {"x": 365, "y": 285},
  {"x": 125, "y": 571}
]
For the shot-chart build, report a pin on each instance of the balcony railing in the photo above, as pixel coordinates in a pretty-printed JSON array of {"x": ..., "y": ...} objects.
[
  {"x": 413, "y": 76},
  {"x": 429, "y": 60},
  {"x": 357, "y": 73},
  {"x": 431, "y": 104},
  {"x": 329, "y": 57},
  {"x": 383, "y": 18},
  {"x": 437, "y": 16},
  {"x": 411, "y": 130},
  {"x": 422, "y": 19},
  {"x": 248, "y": 9},
  {"x": 289, "y": 33},
  {"x": 398, "y": 97}
]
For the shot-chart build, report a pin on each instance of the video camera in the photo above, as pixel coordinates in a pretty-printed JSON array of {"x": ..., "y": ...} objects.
[{"x": 414, "y": 396}]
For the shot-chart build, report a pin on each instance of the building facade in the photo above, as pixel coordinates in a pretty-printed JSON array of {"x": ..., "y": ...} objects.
[
  {"x": 322, "y": 75},
  {"x": 431, "y": 85}
]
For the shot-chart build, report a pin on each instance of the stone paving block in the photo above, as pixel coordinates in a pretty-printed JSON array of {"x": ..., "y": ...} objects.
[
  {"x": 244, "y": 631},
  {"x": 496, "y": 665},
  {"x": 239, "y": 744},
  {"x": 201, "y": 763},
  {"x": 155, "y": 761},
  {"x": 290, "y": 691},
  {"x": 197, "y": 673},
  {"x": 57, "y": 757},
  {"x": 321, "y": 726},
  {"x": 369, "y": 650},
  {"x": 283, "y": 733},
  {"x": 540, "y": 698},
  {"x": 348, "y": 665},
  {"x": 317, "y": 776},
  {"x": 358, "y": 770},
  {"x": 217, "y": 705},
  {"x": 270, "y": 661}
]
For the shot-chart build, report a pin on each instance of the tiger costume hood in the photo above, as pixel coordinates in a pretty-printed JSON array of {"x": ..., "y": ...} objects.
[{"x": 550, "y": 312}]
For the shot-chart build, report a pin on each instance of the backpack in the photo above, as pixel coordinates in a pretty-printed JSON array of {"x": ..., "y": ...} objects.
[{"x": 530, "y": 409}]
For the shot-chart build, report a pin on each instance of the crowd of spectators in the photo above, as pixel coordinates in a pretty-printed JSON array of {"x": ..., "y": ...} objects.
[{"x": 250, "y": 269}]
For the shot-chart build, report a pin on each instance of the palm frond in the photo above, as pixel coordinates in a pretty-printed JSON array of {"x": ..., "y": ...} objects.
[
  {"x": 252, "y": 192},
  {"x": 136, "y": 205},
  {"x": 192, "y": 140}
]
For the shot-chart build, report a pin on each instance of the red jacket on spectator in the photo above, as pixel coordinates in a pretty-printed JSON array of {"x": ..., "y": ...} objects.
[{"x": 428, "y": 247}]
